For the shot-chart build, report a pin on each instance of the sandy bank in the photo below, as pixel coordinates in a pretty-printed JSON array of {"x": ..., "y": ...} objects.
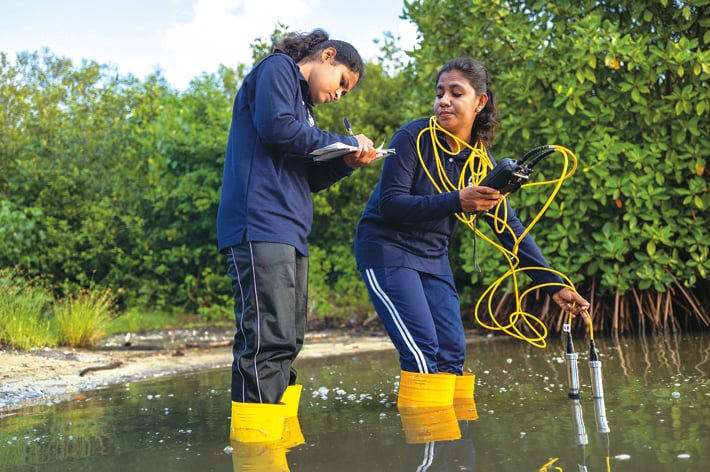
[{"x": 55, "y": 375}]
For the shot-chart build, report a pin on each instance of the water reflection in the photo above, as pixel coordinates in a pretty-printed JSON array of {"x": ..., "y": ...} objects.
[
  {"x": 581, "y": 439},
  {"x": 672, "y": 353},
  {"x": 442, "y": 453},
  {"x": 429, "y": 424},
  {"x": 656, "y": 397},
  {"x": 267, "y": 456}
]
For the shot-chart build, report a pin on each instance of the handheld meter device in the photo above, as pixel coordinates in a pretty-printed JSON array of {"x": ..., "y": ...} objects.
[{"x": 509, "y": 174}]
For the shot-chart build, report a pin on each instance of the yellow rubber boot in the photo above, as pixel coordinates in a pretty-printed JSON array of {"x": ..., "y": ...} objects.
[
  {"x": 465, "y": 385},
  {"x": 292, "y": 435},
  {"x": 257, "y": 422},
  {"x": 428, "y": 424},
  {"x": 291, "y": 398},
  {"x": 425, "y": 390},
  {"x": 464, "y": 404}
]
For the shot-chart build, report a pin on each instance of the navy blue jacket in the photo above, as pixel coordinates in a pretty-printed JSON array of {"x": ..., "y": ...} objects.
[
  {"x": 267, "y": 181},
  {"x": 408, "y": 223}
]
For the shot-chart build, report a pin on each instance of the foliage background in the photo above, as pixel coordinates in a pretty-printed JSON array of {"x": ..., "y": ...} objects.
[{"x": 107, "y": 181}]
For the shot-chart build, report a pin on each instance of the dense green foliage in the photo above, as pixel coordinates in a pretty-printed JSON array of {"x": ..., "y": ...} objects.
[
  {"x": 111, "y": 182},
  {"x": 625, "y": 86},
  {"x": 107, "y": 181}
]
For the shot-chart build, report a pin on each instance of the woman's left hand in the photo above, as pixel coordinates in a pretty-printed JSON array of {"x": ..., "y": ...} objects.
[{"x": 571, "y": 302}]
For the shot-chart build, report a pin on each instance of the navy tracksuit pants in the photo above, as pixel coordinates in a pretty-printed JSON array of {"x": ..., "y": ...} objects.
[
  {"x": 422, "y": 316},
  {"x": 270, "y": 287}
]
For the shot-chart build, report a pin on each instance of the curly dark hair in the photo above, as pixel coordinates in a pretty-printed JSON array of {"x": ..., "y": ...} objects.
[
  {"x": 486, "y": 124},
  {"x": 307, "y": 45}
]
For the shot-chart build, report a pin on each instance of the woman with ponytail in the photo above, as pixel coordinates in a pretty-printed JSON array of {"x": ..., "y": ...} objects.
[
  {"x": 401, "y": 242},
  {"x": 266, "y": 210}
]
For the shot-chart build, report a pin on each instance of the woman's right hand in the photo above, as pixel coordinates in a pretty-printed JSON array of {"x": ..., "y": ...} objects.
[
  {"x": 478, "y": 198},
  {"x": 363, "y": 140},
  {"x": 365, "y": 153}
]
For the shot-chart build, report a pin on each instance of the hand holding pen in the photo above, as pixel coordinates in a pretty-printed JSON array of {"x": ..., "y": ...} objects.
[
  {"x": 381, "y": 152},
  {"x": 361, "y": 138}
]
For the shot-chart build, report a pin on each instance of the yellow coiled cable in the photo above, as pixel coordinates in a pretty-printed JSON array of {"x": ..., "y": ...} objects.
[{"x": 475, "y": 169}]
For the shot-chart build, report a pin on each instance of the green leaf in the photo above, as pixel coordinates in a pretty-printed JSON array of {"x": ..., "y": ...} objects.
[{"x": 651, "y": 248}]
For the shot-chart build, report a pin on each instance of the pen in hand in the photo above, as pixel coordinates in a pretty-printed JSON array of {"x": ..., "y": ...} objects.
[{"x": 347, "y": 126}]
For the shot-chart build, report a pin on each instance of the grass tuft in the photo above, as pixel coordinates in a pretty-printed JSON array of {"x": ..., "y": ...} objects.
[
  {"x": 25, "y": 310},
  {"x": 81, "y": 321}
]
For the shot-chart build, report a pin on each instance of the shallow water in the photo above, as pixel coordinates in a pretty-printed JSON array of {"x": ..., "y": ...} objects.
[{"x": 656, "y": 396}]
